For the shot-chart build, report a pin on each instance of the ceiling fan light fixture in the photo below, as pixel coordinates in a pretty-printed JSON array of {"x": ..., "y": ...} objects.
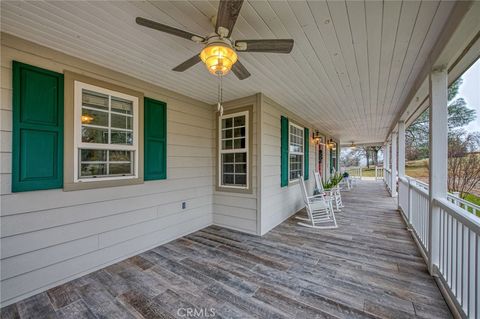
[{"x": 219, "y": 58}]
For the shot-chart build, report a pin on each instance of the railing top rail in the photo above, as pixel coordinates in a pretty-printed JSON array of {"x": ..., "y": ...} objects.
[
  {"x": 466, "y": 218},
  {"x": 403, "y": 179},
  {"x": 420, "y": 189},
  {"x": 463, "y": 202}
]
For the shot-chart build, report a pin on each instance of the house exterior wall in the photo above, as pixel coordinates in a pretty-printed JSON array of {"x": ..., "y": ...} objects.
[
  {"x": 278, "y": 203},
  {"x": 234, "y": 209},
  {"x": 52, "y": 236}
]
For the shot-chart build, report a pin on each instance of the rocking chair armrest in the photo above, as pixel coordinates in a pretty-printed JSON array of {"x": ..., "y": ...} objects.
[{"x": 321, "y": 195}]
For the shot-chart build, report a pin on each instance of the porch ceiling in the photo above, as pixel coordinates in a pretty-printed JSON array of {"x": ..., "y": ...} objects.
[{"x": 350, "y": 70}]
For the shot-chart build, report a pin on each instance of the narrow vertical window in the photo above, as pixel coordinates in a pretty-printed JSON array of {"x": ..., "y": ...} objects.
[
  {"x": 296, "y": 151},
  {"x": 233, "y": 150}
]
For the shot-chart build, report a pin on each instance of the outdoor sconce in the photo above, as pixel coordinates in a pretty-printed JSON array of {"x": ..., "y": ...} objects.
[
  {"x": 316, "y": 137},
  {"x": 331, "y": 144}
]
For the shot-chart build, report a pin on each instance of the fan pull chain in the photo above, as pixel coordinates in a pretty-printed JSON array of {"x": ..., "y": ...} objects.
[{"x": 220, "y": 95}]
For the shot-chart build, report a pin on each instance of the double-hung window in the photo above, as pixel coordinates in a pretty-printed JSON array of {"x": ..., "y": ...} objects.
[
  {"x": 105, "y": 133},
  {"x": 296, "y": 151},
  {"x": 233, "y": 150}
]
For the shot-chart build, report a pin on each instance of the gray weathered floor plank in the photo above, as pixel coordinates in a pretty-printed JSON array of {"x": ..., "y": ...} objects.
[{"x": 367, "y": 268}]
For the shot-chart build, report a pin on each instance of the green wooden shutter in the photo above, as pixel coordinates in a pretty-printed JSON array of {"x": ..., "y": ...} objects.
[
  {"x": 284, "y": 151},
  {"x": 37, "y": 148},
  {"x": 155, "y": 140},
  {"x": 306, "y": 150}
]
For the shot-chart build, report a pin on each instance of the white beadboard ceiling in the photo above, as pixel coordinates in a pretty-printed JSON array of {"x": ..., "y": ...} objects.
[{"x": 351, "y": 68}]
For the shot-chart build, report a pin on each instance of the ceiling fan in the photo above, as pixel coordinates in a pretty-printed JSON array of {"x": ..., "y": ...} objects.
[{"x": 219, "y": 53}]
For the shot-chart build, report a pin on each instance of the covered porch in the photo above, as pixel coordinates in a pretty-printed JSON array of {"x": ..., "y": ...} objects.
[{"x": 369, "y": 267}]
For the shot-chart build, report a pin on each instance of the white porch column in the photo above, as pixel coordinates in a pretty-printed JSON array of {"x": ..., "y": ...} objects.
[
  {"x": 327, "y": 163},
  {"x": 438, "y": 169},
  {"x": 387, "y": 154},
  {"x": 394, "y": 164},
  {"x": 401, "y": 149},
  {"x": 384, "y": 161}
]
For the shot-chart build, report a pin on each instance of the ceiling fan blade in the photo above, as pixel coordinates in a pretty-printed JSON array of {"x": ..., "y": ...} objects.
[
  {"x": 267, "y": 45},
  {"x": 187, "y": 64},
  {"x": 228, "y": 11},
  {"x": 240, "y": 70},
  {"x": 170, "y": 30}
]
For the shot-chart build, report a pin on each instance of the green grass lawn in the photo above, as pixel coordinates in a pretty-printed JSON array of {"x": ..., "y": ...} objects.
[{"x": 473, "y": 199}]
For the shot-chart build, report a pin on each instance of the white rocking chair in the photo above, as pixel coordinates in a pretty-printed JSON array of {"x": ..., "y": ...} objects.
[
  {"x": 334, "y": 193},
  {"x": 319, "y": 209}
]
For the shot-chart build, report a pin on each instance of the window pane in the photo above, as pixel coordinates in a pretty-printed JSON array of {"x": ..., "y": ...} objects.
[
  {"x": 121, "y": 106},
  {"x": 228, "y": 158},
  {"x": 239, "y": 121},
  {"x": 120, "y": 156},
  {"x": 227, "y": 145},
  {"x": 121, "y": 137},
  {"x": 227, "y": 133},
  {"x": 94, "y": 99},
  {"x": 239, "y": 132},
  {"x": 226, "y": 123},
  {"x": 94, "y": 135},
  {"x": 121, "y": 121},
  {"x": 94, "y": 117},
  {"x": 241, "y": 168},
  {"x": 88, "y": 170},
  {"x": 93, "y": 155},
  {"x": 228, "y": 168},
  {"x": 240, "y": 157},
  {"x": 121, "y": 169},
  {"x": 239, "y": 143},
  {"x": 241, "y": 180},
  {"x": 228, "y": 179}
]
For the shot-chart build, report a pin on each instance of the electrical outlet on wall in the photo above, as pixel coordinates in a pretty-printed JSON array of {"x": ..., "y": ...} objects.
[{"x": 184, "y": 205}]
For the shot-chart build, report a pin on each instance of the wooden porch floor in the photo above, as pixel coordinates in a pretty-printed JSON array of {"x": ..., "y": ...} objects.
[{"x": 367, "y": 268}]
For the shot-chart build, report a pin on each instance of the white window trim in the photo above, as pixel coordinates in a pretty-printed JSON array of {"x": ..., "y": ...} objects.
[
  {"x": 238, "y": 150},
  {"x": 295, "y": 153},
  {"x": 78, "y": 136}
]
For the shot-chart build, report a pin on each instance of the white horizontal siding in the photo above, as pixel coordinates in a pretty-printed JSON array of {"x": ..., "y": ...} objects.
[
  {"x": 278, "y": 203},
  {"x": 55, "y": 274},
  {"x": 51, "y": 236},
  {"x": 239, "y": 210}
]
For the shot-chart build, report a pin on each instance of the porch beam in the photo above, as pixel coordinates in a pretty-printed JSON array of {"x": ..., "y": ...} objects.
[
  {"x": 438, "y": 169},
  {"x": 394, "y": 165}
]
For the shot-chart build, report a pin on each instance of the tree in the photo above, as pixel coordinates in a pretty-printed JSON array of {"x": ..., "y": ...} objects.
[
  {"x": 366, "y": 152},
  {"x": 459, "y": 115},
  {"x": 375, "y": 150},
  {"x": 350, "y": 158},
  {"x": 463, "y": 162}
]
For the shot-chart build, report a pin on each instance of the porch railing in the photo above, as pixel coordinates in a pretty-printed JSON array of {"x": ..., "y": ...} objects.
[
  {"x": 354, "y": 172},
  {"x": 455, "y": 241},
  {"x": 379, "y": 171},
  {"x": 388, "y": 179}
]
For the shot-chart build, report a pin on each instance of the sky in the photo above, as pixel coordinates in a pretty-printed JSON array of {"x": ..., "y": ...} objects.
[{"x": 470, "y": 91}]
